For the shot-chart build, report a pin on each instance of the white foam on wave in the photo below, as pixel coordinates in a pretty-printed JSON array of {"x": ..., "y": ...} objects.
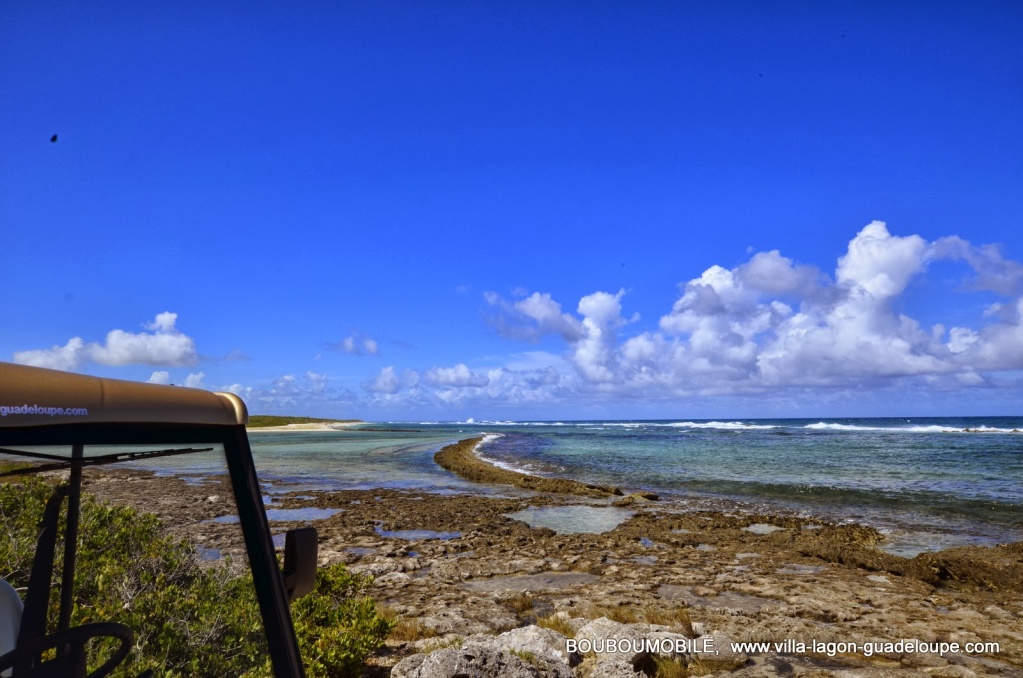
[
  {"x": 935, "y": 428},
  {"x": 722, "y": 425},
  {"x": 489, "y": 438}
]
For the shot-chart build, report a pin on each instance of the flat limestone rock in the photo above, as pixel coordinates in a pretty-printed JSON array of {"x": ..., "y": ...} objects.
[
  {"x": 599, "y": 633},
  {"x": 519, "y": 653},
  {"x": 540, "y": 642},
  {"x": 468, "y": 660},
  {"x": 726, "y": 600},
  {"x": 532, "y": 582}
]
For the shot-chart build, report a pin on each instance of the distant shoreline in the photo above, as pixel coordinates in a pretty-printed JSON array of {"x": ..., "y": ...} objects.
[
  {"x": 278, "y": 424},
  {"x": 303, "y": 428}
]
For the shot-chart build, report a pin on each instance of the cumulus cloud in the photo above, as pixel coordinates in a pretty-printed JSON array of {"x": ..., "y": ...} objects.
[
  {"x": 357, "y": 343},
  {"x": 243, "y": 392},
  {"x": 879, "y": 264},
  {"x": 195, "y": 380},
  {"x": 771, "y": 323},
  {"x": 307, "y": 393},
  {"x": 993, "y": 272},
  {"x": 71, "y": 356},
  {"x": 771, "y": 273},
  {"x": 317, "y": 382},
  {"x": 531, "y": 318},
  {"x": 164, "y": 346},
  {"x": 159, "y": 377},
  {"x": 458, "y": 376},
  {"x": 593, "y": 352},
  {"x": 385, "y": 381}
]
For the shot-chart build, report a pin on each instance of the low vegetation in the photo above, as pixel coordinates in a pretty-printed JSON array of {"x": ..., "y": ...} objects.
[
  {"x": 189, "y": 620},
  {"x": 410, "y": 630},
  {"x": 521, "y": 602},
  {"x": 265, "y": 420},
  {"x": 676, "y": 618},
  {"x": 8, "y": 466},
  {"x": 557, "y": 622}
]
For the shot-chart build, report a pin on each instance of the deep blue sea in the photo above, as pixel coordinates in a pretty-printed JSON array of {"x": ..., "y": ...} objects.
[{"x": 926, "y": 483}]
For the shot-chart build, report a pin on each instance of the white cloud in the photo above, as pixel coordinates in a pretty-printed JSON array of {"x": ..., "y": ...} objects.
[
  {"x": 994, "y": 272},
  {"x": 243, "y": 392},
  {"x": 386, "y": 381},
  {"x": 533, "y": 317},
  {"x": 67, "y": 357},
  {"x": 458, "y": 376},
  {"x": 159, "y": 377},
  {"x": 409, "y": 379},
  {"x": 593, "y": 353},
  {"x": 317, "y": 382},
  {"x": 308, "y": 394},
  {"x": 961, "y": 339},
  {"x": 164, "y": 346},
  {"x": 767, "y": 325},
  {"x": 879, "y": 264},
  {"x": 357, "y": 343},
  {"x": 771, "y": 273},
  {"x": 195, "y": 380},
  {"x": 164, "y": 322}
]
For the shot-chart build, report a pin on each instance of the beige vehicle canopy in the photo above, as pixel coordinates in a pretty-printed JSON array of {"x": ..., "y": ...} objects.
[
  {"x": 49, "y": 418},
  {"x": 31, "y": 396}
]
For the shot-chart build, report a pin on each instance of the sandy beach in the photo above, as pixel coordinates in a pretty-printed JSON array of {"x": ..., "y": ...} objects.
[
  {"x": 302, "y": 428},
  {"x": 821, "y": 595}
]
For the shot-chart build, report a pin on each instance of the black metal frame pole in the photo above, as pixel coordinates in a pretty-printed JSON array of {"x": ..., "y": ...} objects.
[
  {"x": 266, "y": 573},
  {"x": 74, "y": 502}
]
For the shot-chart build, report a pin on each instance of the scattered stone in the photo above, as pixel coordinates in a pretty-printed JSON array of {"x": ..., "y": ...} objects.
[
  {"x": 501, "y": 576},
  {"x": 522, "y": 653},
  {"x": 715, "y": 649},
  {"x": 600, "y": 633},
  {"x": 636, "y": 498}
]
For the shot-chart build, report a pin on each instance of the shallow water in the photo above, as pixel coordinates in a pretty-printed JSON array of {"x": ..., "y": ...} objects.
[
  {"x": 763, "y": 528},
  {"x": 926, "y": 483},
  {"x": 414, "y": 535},
  {"x": 573, "y": 519},
  {"x": 283, "y": 515}
]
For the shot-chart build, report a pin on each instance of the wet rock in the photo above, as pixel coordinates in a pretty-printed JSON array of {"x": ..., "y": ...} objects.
[
  {"x": 523, "y": 653},
  {"x": 636, "y": 498}
]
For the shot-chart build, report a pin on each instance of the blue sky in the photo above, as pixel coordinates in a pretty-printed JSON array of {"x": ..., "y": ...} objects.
[{"x": 520, "y": 210}]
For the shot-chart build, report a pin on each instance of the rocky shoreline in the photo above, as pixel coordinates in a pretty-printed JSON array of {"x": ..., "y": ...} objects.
[
  {"x": 460, "y": 458},
  {"x": 456, "y": 572}
]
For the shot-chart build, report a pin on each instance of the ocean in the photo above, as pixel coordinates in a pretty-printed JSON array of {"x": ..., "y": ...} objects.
[{"x": 926, "y": 483}]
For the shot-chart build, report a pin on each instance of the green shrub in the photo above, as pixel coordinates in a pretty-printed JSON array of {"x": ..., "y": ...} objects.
[
  {"x": 266, "y": 420},
  {"x": 188, "y": 620}
]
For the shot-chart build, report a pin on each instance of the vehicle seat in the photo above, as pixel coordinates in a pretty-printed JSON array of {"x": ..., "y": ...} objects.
[{"x": 11, "y": 608}]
